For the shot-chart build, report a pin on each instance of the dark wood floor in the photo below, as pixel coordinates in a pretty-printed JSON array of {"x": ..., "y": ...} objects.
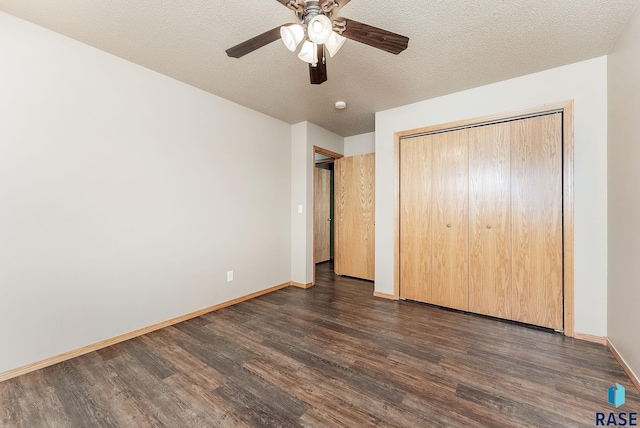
[{"x": 332, "y": 355}]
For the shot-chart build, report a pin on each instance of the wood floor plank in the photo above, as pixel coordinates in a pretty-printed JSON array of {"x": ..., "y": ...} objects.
[
  {"x": 111, "y": 351},
  {"x": 161, "y": 402},
  {"x": 329, "y": 356},
  {"x": 281, "y": 337},
  {"x": 187, "y": 365},
  {"x": 72, "y": 389},
  {"x": 446, "y": 410},
  {"x": 157, "y": 365},
  {"x": 241, "y": 385},
  {"x": 205, "y": 402},
  {"x": 531, "y": 390},
  {"x": 260, "y": 411},
  {"x": 10, "y": 410},
  {"x": 397, "y": 344},
  {"x": 324, "y": 401},
  {"x": 316, "y": 418},
  {"x": 362, "y": 381},
  {"x": 522, "y": 411},
  {"x": 225, "y": 345},
  {"x": 51, "y": 410},
  {"x": 112, "y": 393},
  {"x": 32, "y": 409}
]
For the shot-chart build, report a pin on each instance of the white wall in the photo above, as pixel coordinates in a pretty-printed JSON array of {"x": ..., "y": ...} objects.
[
  {"x": 360, "y": 144},
  {"x": 125, "y": 196},
  {"x": 304, "y": 137},
  {"x": 624, "y": 195},
  {"x": 584, "y": 82}
]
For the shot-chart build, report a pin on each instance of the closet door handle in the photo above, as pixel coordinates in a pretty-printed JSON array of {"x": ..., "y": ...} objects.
[
  {"x": 449, "y": 225},
  {"x": 488, "y": 226}
]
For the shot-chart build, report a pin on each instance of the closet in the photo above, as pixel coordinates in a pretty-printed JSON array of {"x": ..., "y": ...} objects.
[{"x": 480, "y": 219}]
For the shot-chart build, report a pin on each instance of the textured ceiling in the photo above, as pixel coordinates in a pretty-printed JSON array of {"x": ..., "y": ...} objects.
[{"x": 454, "y": 45}]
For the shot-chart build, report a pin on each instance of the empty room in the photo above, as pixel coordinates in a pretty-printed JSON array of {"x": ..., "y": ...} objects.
[{"x": 325, "y": 213}]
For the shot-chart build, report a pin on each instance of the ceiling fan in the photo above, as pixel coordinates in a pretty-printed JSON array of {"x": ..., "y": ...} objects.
[{"x": 319, "y": 32}]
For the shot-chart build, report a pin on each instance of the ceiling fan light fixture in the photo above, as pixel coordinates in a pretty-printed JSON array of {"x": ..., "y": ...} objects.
[
  {"x": 312, "y": 35},
  {"x": 292, "y": 35},
  {"x": 334, "y": 43},
  {"x": 320, "y": 29},
  {"x": 309, "y": 53}
]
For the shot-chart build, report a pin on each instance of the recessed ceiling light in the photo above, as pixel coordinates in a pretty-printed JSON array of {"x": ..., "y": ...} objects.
[{"x": 341, "y": 105}]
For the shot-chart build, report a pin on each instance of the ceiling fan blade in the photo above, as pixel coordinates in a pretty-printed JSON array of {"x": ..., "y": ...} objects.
[
  {"x": 255, "y": 43},
  {"x": 373, "y": 36},
  {"x": 318, "y": 73}
]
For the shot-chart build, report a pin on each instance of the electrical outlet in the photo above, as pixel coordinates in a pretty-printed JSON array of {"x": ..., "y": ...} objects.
[
  {"x": 230, "y": 276},
  {"x": 300, "y": 209}
]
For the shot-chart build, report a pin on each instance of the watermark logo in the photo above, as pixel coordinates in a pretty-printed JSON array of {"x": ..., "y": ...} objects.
[{"x": 616, "y": 395}]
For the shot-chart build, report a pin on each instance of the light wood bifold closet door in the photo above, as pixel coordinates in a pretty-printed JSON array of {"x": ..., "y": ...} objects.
[
  {"x": 490, "y": 220},
  {"x": 322, "y": 215},
  {"x": 450, "y": 220},
  {"x": 415, "y": 213},
  {"x": 481, "y": 219},
  {"x": 354, "y": 203},
  {"x": 536, "y": 152},
  {"x": 434, "y": 225}
]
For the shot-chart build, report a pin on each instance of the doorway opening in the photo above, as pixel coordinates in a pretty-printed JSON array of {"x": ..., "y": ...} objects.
[{"x": 323, "y": 206}]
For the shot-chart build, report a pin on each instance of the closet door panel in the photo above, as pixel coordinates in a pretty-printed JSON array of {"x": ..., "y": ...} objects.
[
  {"x": 355, "y": 203},
  {"x": 490, "y": 220},
  {"x": 537, "y": 220},
  {"x": 450, "y": 220},
  {"x": 415, "y": 218}
]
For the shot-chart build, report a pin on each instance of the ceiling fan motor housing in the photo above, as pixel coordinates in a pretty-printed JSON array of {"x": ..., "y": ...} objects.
[{"x": 307, "y": 10}]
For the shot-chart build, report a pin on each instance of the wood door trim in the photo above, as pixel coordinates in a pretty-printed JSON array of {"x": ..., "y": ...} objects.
[
  {"x": 600, "y": 340},
  {"x": 325, "y": 152},
  {"x": 485, "y": 120},
  {"x": 396, "y": 233},
  {"x": 567, "y": 218},
  {"x": 566, "y": 107},
  {"x": 301, "y": 285},
  {"x": 384, "y": 295}
]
